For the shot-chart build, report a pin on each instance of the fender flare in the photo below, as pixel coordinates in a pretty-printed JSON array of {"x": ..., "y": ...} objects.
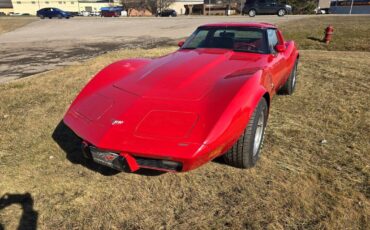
[
  {"x": 237, "y": 115},
  {"x": 110, "y": 74}
]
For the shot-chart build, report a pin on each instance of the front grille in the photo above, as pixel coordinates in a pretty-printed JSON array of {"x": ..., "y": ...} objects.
[{"x": 158, "y": 164}]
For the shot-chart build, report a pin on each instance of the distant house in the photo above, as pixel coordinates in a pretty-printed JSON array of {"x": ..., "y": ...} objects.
[
  {"x": 185, "y": 6},
  {"x": 32, "y": 6},
  {"x": 6, "y": 6}
]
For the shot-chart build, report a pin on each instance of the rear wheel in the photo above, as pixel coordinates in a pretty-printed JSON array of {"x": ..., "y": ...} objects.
[
  {"x": 245, "y": 152},
  {"x": 252, "y": 13},
  {"x": 289, "y": 86},
  {"x": 281, "y": 12}
]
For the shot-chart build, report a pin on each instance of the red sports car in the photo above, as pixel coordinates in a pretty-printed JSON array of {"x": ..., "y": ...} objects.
[{"x": 175, "y": 113}]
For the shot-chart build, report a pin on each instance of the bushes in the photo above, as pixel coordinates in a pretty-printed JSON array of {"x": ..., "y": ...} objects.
[{"x": 303, "y": 7}]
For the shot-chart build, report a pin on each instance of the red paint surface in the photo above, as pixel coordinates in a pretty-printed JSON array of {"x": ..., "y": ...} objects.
[{"x": 189, "y": 106}]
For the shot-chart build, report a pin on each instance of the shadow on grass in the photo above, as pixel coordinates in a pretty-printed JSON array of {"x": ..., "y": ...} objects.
[
  {"x": 29, "y": 216},
  {"x": 71, "y": 145},
  {"x": 315, "y": 39}
]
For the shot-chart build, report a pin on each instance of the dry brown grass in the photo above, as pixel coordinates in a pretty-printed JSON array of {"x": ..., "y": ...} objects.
[
  {"x": 11, "y": 23},
  {"x": 351, "y": 33},
  {"x": 299, "y": 183}
]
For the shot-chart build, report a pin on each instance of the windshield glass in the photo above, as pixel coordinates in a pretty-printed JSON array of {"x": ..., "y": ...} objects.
[{"x": 234, "y": 38}]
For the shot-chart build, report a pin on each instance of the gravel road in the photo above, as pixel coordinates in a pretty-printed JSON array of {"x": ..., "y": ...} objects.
[{"x": 46, "y": 44}]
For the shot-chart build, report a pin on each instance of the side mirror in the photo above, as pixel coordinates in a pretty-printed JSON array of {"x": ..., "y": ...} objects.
[
  {"x": 181, "y": 43},
  {"x": 280, "y": 48}
]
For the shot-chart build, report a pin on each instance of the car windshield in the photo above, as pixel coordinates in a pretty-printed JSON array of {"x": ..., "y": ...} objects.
[{"x": 242, "y": 39}]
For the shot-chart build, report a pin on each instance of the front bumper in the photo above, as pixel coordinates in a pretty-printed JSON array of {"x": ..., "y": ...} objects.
[{"x": 123, "y": 161}]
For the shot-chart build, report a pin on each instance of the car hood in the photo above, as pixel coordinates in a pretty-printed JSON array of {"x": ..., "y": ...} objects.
[
  {"x": 186, "y": 74},
  {"x": 171, "y": 101}
]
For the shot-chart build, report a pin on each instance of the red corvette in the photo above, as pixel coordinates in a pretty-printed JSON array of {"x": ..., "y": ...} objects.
[{"x": 175, "y": 113}]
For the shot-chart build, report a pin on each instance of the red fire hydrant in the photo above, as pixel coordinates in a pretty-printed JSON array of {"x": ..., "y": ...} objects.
[{"x": 328, "y": 34}]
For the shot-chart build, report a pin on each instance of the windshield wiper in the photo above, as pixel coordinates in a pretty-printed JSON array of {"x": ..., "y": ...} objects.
[
  {"x": 248, "y": 51},
  {"x": 188, "y": 48}
]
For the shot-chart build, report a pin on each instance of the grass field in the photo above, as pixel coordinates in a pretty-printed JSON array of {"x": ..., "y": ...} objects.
[
  {"x": 11, "y": 23},
  {"x": 351, "y": 33},
  {"x": 299, "y": 183}
]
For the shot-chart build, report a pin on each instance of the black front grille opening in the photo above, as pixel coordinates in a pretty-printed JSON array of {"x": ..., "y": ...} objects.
[{"x": 159, "y": 164}]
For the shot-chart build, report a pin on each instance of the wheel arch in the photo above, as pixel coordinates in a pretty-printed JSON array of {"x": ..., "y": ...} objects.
[
  {"x": 111, "y": 73},
  {"x": 236, "y": 116}
]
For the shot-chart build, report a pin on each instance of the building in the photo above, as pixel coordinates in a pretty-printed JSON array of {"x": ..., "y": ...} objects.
[
  {"x": 32, "y": 6},
  {"x": 350, "y": 7},
  {"x": 6, "y": 6},
  {"x": 185, "y": 6}
]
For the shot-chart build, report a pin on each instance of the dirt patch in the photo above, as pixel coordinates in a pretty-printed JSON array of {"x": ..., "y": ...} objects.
[
  {"x": 11, "y": 23},
  {"x": 16, "y": 63}
]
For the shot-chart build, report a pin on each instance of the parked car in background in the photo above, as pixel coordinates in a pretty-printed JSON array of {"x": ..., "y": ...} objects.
[
  {"x": 111, "y": 11},
  {"x": 106, "y": 13},
  {"x": 254, "y": 7},
  {"x": 95, "y": 13},
  {"x": 53, "y": 13},
  {"x": 167, "y": 13}
]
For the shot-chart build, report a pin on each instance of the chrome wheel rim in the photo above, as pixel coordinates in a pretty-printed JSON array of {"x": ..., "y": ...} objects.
[
  {"x": 259, "y": 133},
  {"x": 281, "y": 12},
  {"x": 252, "y": 13},
  {"x": 294, "y": 75}
]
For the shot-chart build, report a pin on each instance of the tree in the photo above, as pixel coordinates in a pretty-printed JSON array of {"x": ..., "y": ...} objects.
[
  {"x": 129, "y": 5},
  {"x": 303, "y": 7},
  {"x": 154, "y": 6}
]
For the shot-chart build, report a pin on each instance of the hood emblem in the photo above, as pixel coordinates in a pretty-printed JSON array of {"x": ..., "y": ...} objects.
[{"x": 117, "y": 122}]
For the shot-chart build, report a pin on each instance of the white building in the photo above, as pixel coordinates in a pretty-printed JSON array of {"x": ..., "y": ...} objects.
[{"x": 32, "y": 6}]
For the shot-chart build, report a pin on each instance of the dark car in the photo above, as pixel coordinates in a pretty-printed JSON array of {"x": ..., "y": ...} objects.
[
  {"x": 254, "y": 7},
  {"x": 108, "y": 13},
  {"x": 53, "y": 13},
  {"x": 167, "y": 13}
]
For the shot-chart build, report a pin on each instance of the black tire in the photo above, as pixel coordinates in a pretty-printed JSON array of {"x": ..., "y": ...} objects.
[
  {"x": 252, "y": 13},
  {"x": 245, "y": 152},
  {"x": 289, "y": 86},
  {"x": 281, "y": 12}
]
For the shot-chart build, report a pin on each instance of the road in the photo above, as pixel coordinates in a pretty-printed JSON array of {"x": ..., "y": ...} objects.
[{"x": 46, "y": 44}]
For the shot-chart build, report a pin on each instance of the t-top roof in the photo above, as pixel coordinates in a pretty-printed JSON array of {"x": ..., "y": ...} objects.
[{"x": 241, "y": 24}]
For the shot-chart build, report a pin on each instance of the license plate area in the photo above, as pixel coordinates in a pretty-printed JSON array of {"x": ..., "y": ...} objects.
[{"x": 112, "y": 160}]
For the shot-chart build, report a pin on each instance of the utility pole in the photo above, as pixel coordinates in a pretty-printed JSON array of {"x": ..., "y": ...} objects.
[
  {"x": 350, "y": 11},
  {"x": 241, "y": 7},
  {"x": 209, "y": 7}
]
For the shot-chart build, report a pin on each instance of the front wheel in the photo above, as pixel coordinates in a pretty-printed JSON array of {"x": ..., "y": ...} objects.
[
  {"x": 252, "y": 13},
  {"x": 246, "y": 151},
  {"x": 281, "y": 12},
  {"x": 289, "y": 86}
]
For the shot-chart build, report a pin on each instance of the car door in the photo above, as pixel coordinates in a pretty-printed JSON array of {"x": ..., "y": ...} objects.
[
  {"x": 46, "y": 12},
  {"x": 53, "y": 12},
  {"x": 277, "y": 61},
  {"x": 262, "y": 6},
  {"x": 273, "y": 7},
  {"x": 267, "y": 6}
]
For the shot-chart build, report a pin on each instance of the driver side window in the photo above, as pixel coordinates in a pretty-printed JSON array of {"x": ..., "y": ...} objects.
[{"x": 273, "y": 39}]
